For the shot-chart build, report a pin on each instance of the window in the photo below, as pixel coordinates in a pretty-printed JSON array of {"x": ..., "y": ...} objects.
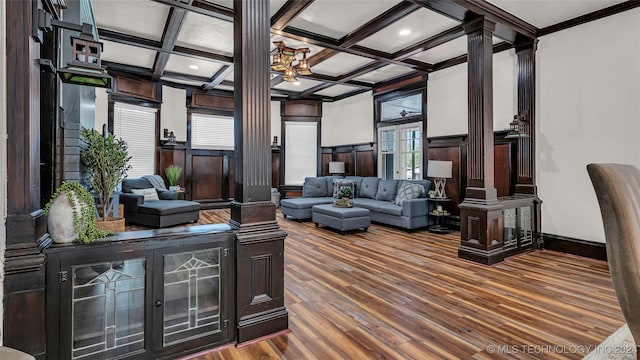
[
  {"x": 137, "y": 126},
  {"x": 301, "y": 151},
  {"x": 211, "y": 132},
  {"x": 400, "y": 151},
  {"x": 401, "y": 107}
]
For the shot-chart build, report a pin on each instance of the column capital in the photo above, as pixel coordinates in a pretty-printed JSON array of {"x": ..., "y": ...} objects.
[
  {"x": 477, "y": 24},
  {"x": 526, "y": 45}
]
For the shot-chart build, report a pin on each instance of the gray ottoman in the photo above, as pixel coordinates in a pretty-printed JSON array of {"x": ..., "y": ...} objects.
[{"x": 342, "y": 219}]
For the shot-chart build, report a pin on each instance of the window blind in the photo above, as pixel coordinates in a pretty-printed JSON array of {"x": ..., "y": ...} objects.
[
  {"x": 301, "y": 150},
  {"x": 211, "y": 132},
  {"x": 137, "y": 126}
]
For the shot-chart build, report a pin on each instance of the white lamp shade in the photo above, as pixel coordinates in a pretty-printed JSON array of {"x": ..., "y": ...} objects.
[
  {"x": 439, "y": 169},
  {"x": 336, "y": 167}
]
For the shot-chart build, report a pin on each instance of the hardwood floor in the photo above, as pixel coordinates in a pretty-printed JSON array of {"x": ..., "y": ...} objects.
[{"x": 388, "y": 294}]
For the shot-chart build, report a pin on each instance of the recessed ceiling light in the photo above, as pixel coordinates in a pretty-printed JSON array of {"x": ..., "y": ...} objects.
[
  {"x": 404, "y": 32},
  {"x": 296, "y": 83},
  {"x": 194, "y": 67}
]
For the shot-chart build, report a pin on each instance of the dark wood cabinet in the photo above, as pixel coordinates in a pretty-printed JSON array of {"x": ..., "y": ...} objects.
[{"x": 153, "y": 298}]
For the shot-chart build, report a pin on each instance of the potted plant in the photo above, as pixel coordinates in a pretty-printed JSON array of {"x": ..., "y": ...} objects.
[
  {"x": 173, "y": 173},
  {"x": 106, "y": 159},
  {"x": 344, "y": 194},
  {"x": 70, "y": 215}
]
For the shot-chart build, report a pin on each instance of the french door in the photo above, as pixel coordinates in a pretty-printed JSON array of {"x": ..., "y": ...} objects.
[{"x": 400, "y": 154}]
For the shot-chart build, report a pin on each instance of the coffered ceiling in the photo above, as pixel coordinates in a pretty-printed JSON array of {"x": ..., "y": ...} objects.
[{"x": 355, "y": 45}]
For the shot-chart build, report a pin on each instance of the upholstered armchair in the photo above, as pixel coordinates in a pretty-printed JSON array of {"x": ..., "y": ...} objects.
[{"x": 618, "y": 190}]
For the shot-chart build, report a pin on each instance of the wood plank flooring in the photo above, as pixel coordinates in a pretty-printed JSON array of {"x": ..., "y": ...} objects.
[{"x": 388, "y": 294}]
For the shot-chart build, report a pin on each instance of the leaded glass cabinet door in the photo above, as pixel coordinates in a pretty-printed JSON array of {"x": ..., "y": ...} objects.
[
  {"x": 191, "y": 305},
  {"x": 107, "y": 309}
]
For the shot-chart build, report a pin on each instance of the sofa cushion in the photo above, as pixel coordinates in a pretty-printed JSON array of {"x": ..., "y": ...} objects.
[
  {"x": 135, "y": 183},
  {"x": 387, "y": 190},
  {"x": 339, "y": 184},
  {"x": 305, "y": 203},
  {"x": 424, "y": 182},
  {"x": 149, "y": 194},
  {"x": 408, "y": 191},
  {"x": 168, "y": 207},
  {"x": 314, "y": 187},
  {"x": 370, "y": 204},
  {"x": 369, "y": 187},
  {"x": 389, "y": 208},
  {"x": 358, "y": 182},
  {"x": 330, "y": 180}
]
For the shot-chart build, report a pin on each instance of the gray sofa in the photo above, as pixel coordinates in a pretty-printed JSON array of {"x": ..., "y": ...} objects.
[
  {"x": 371, "y": 193},
  {"x": 167, "y": 211}
]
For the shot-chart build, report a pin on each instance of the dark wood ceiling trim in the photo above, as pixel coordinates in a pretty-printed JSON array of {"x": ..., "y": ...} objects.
[
  {"x": 202, "y": 7},
  {"x": 499, "y": 16},
  {"x": 397, "y": 80},
  {"x": 117, "y": 67},
  {"x": 169, "y": 36},
  {"x": 185, "y": 77},
  {"x": 296, "y": 95},
  {"x": 218, "y": 77},
  {"x": 448, "y": 8},
  {"x": 378, "y": 23},
  {"x": 350, "y": 94},
  {"x": 202, "y": 54},
  {"x": 127, "y": 39},
  {"x": 323, "y": 55},
  {"x": 439, "y": 39},
  {"x": 595, "y": 15},
  {"x": 288, "y": 12},
  {"x": 499, "y": 47},
  {"x": 349, "y": 76},
  {"x": 156, "y": 46},
  {"x": 329, "y": 43},
  {"x": 278, "y": 79}
]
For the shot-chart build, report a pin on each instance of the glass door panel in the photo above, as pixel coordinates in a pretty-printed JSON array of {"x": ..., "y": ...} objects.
[
  {"x": 400, "y": 155},
  {"x": 191, "y": 295},
  {"x": 388, "y": 144},
  {"x": 108, "y": 309}
]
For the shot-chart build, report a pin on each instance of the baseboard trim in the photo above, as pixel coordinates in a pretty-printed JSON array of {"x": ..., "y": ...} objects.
[{"x": 586, "y": 248}]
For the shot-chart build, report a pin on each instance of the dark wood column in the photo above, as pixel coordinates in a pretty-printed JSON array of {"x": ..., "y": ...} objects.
[
  {"x": 260, "y": 241},
  {"x": 526, "y": 53},
  {"x": 480, "y": 212},
  {"x": 24, "y": 282}
]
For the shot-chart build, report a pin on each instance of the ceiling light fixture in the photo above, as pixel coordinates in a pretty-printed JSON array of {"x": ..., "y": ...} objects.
[
  {"x": 404, "y": 32},
  {"x": 296, "y": 83},
  {"x": 194, "y": 67},
  {"x": 284, "y": 58}
]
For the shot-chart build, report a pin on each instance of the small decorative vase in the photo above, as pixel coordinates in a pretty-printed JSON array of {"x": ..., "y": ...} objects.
[
  {"x": 60, "y": 219},
  {"x": 174, "y": 188}
]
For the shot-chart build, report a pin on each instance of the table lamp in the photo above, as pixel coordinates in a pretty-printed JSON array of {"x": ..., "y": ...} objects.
[
  {"x": 440, "y": 171},
  {"x": 336, "y": 167}
]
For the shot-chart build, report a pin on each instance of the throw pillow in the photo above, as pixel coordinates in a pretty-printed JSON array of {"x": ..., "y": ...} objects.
[
  {"x": 340, "y": 183},
  {"x": 149, "y": 194},
  {"x": 387, "y": 190},
  {"x": 408, "y": 191}
]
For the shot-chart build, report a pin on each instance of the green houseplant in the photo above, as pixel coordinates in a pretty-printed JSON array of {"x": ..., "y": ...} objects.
[
  {"x": 106, "y": 159},
  {"x": 72, "y": 197},
  {"x": 173, "y": 173}
]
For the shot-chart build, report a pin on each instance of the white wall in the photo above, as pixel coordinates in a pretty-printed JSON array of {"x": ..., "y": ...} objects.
[
  {"x": 3, "y": 155},
  {"x": 348, "y": 121},
  {"x": 275, "y": 121},
  {"x": 102, "y": 109},
  {"x": 587, "y": 111},
  {"x": 447, "y": 99},
  {"x": 173, "y": 112}
]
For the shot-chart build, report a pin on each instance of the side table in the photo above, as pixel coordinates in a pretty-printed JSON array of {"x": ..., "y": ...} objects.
[{"x": 438, "y": 212}]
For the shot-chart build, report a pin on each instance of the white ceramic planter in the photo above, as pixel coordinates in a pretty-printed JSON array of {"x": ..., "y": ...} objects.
[{"x": 60, "y": 219}]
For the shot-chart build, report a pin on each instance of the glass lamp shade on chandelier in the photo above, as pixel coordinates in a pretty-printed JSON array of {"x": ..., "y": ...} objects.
[{"x": 284, "y": 58}]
